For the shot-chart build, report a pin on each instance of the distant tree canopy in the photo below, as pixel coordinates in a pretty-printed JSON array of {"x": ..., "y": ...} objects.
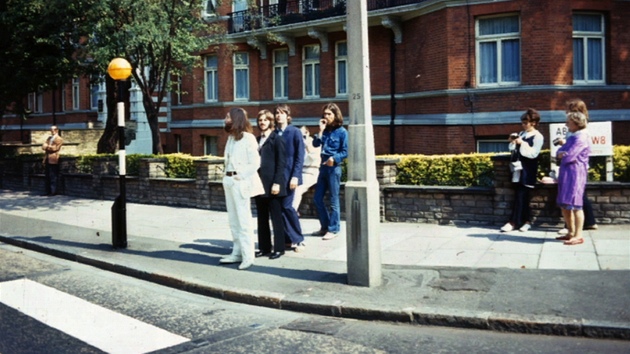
[{"x": 46, "y": 43}]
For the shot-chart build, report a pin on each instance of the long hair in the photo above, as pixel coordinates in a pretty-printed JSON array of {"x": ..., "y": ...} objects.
[
  {"x": 577, "y": 105},
  {"x": 240, "y": 123},
  {"x": 336, "y": 111}
]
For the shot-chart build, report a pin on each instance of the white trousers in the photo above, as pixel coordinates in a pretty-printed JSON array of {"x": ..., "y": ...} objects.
[
  {"x": 238, "y": 204},
  {"x": 308, "y": 180}
]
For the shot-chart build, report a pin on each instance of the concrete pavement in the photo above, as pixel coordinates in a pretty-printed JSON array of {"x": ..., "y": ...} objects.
[{"x": 471, "y": 277}]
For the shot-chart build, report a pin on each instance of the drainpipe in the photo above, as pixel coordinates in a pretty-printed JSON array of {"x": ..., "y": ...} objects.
[{"x": 392, "y": 97}]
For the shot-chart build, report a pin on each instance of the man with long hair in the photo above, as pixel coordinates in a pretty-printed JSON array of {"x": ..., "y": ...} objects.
[
  {"x": 240, "y": 183},
  {"x": 333, "y": 138}
]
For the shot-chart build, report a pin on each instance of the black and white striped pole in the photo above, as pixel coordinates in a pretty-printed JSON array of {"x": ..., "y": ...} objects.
[{"x": 119, "y": 69}]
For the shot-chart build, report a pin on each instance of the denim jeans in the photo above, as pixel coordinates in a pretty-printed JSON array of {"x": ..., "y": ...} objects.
[{"x": 329, "y": 180}]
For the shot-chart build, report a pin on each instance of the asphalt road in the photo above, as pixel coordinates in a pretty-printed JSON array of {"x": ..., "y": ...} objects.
[{"x": 207, "y": 325}]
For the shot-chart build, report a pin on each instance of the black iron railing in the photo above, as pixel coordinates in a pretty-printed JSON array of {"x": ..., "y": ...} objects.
[{"x": 296, "y": 11}]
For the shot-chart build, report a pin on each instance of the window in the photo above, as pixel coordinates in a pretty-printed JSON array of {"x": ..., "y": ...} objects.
[
  {"x": 588, "y": 49},
  {"x": 341, "y": 60},
  {"x": 311, "y": 71},
  {"x": 178, "y": 143},
  {"x": 485, "y": 146},
  {"x": 209, "y": 8},
  {"x": 239, "y": 5},
  {"x": 281, "y": 74},
  {"x": 498, "y": 51},
  {"x": 241, "y": 76},
  {"x": 177, "y": 93},
  {"x": 35, "y": 102},
  {"x": 212, "y": 79},
  {"x": 75, "y": 93},
  {"x": 94, "y": 90},
  {"x": 210, "y": 146}
]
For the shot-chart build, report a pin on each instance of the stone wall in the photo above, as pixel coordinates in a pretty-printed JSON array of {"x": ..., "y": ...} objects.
[{"x": 422, "y": 204}]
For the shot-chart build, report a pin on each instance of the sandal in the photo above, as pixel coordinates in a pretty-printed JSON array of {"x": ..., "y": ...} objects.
[
  {"x": 574, "y": 241},
  {"x": 564, "y": 238}
]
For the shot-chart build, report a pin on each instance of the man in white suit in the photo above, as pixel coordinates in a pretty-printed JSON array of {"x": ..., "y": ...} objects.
[{"x": 240, "y": 183}]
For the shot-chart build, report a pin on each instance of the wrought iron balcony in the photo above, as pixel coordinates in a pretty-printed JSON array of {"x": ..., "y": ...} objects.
[{"x": 296, "y": 11}]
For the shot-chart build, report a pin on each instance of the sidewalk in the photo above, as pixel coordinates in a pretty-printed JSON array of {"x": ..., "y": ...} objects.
[{"x": 471, "y": 277}]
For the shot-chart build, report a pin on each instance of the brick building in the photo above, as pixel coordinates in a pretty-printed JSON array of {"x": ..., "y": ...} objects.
[{"x": 447, "y": 76}]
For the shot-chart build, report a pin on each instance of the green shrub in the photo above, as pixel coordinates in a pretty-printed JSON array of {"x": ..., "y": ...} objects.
[
  {"x": 446, "y": 170},
  {"x": 621, "y": 162},
  {"x": 180, "y": 166}
]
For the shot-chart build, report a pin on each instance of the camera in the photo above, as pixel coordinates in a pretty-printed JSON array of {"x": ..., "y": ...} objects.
[
  {"x": 513, "y": 136},
  {"x": 557, "y": 141}
]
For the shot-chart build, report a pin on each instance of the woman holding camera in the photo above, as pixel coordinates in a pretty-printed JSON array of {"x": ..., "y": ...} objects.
[
  {"x": 526, "y": 147},
  {"x": 573, "y": 156},
  {"x": 333, "y": 138}
]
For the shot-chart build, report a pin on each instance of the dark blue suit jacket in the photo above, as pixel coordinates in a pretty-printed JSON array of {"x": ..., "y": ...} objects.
[
  {"x": 294, "y": 149},
  {"x": 273, "y": 160}
]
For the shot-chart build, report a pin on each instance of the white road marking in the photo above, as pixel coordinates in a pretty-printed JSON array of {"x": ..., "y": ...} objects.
[{"x": 95, "y": 325}]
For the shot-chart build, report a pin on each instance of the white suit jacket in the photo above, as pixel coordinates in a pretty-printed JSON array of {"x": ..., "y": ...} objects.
[{"x": 243, "y": 156}]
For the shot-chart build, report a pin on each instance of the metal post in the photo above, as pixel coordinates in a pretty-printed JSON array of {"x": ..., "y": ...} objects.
[
  {"x": 362, "y": 190},
  {"x": 119, "y": 209}
]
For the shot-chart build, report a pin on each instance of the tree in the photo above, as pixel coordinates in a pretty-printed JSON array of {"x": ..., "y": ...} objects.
[
  {"x": 158, "y": 38},
  {"x": 40, "y": 43}
]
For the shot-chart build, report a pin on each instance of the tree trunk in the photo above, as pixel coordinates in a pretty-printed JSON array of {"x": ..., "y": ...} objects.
[{"x": 108, "y": 142}]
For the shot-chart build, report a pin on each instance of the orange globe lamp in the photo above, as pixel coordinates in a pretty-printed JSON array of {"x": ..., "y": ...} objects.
[{"x": 119, "y": 69}]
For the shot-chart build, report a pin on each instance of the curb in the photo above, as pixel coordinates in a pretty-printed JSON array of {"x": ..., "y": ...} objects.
[{"x": 500, "y": 322}]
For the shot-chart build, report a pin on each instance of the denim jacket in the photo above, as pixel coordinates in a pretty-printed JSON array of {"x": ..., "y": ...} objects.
[{"x": 334, "y": 143}]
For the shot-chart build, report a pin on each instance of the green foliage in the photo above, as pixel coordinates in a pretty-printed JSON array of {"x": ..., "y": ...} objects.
[
  {"x": 446, "y": 170},
  {"x": 621, "y": 162},
  {"x": 41, "y": 46},
  {"x": 180, "y": 166}
]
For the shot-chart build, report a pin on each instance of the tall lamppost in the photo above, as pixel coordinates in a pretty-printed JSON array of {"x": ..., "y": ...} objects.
[{"x": 119, "y": 69}]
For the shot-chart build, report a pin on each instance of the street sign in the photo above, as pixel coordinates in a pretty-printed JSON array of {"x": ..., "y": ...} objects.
[{"x": 599, "y": 133}]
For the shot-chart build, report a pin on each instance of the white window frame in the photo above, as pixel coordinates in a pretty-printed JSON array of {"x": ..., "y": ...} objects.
[
  {"x": 498, "y": 39},
  {"x": 210, "y": 145},
  {"x": 209, "y": 9},
  {"x": 35, "y": 102},
  {"x": 310, "y": 65},
  {"x": 585, "y": 36},
  {"x": 499, "y": 141},
  {"x": 341, "y": 79},
  {"x": 241, "y": 66},
  {"x": 178, "y": 143},
  {"x": 94, "y": 95},
  {"x": 178, "y": 90},
  {"x": 211, "y": 86},
  {"x": 76, "y": 93},
  {"x": 280, "y": 68}
]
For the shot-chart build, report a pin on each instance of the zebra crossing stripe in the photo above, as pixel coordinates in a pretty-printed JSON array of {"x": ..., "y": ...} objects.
[{"x": 102, "y": 328}]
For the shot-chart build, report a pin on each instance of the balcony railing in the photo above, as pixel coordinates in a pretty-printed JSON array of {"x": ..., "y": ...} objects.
[{"x": 296, "y": 11}]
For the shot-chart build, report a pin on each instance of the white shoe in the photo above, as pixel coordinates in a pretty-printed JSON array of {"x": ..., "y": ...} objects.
[
  {"x": 246, "y": 264},
  {"x": 563, "y": 231},
  {"x": 299, "y": 247},
  {"x": 507, "y": 228},
  {"x": 330, "y": 235},
  {"x": 230, "y": 259},
  {"x": 525, "y": 227}
]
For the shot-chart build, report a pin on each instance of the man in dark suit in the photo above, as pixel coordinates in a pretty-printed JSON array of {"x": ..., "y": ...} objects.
[
  {"x": 294, "y": 144},
  {"x": 271, "y": 172}
]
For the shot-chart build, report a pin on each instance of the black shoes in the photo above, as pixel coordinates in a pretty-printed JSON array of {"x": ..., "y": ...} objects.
[
  {"x": 261, "y": 254},
  {"x": 276, "y": 255}
]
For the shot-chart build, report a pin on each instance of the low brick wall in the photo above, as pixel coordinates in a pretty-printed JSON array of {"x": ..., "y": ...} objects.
[{"x": 421, "y": 204}]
